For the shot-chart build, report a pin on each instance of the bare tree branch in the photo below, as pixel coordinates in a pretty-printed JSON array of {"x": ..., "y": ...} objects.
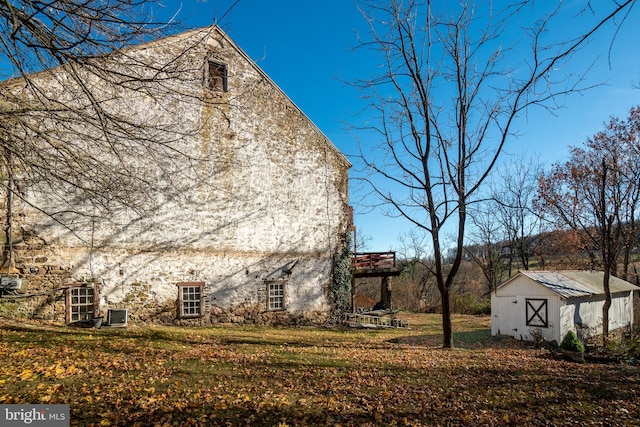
[
  {"x": 70, "y": 127},
  {"x": 454, "y": 79}
]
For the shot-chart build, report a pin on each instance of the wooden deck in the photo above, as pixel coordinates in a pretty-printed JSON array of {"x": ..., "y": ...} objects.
[
  {"x": 373, "y": 260},
  {"x": 374, "y": 264}
]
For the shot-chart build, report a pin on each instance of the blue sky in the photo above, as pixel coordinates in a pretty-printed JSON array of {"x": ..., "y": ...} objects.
[{"x": 306, "y": 47}]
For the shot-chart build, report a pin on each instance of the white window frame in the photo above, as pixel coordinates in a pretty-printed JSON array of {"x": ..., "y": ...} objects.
[
  {"x": 81, "y": 303},
  {"x": 276, "y": 291},
  {"x": 190, "y": 299}
]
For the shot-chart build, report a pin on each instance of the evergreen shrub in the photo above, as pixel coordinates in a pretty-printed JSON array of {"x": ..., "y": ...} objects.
[{"x": 571, "y": 342}]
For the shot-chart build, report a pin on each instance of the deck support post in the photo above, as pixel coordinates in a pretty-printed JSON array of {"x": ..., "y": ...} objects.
[
  {"x": 385, "y": 292},
  {"x": 353, "y": 294}
]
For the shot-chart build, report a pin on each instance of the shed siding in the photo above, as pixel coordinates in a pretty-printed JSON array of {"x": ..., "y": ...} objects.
[
  {"x": 509, "y": 310},
  {"x": 580, "y": 314},
  {"x": 584, "y": 315}
]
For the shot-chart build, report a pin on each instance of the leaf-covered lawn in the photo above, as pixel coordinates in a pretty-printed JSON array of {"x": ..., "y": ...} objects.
[{"x": 308, "y": 376}]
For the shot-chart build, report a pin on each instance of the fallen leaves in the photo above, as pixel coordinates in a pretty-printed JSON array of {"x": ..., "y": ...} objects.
[{"x": 291, "y": 377}]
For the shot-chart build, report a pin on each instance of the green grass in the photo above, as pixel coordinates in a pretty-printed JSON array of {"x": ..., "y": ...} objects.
[
  {"x": 307, "y": 376},
  {"x": 479, "y": 336}
]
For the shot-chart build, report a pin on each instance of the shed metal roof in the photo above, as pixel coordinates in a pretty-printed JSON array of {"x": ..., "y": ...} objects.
[{"x": 573, "y": 283}]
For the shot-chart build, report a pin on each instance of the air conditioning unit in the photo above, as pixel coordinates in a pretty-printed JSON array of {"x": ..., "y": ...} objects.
[
  {"x": 117, "y": 317},
  {"x": 10, "y": 283}
]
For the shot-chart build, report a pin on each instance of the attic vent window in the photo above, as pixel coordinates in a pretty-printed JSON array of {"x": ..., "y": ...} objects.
[
  {"x": 190, "y": 299},
  {"x": 217, "y": 79}
]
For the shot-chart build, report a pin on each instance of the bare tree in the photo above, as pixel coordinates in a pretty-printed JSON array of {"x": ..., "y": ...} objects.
[
  {"x": 444, "y": 101},
  {"x": 486, "y": 242},
  {"x": 629, "y": 133},
  {"x": 596, "y": 191},
  {"x": 416, "y": 267},
  {"x": 514, "y": 194},
  {"x": 69, "y": 127}
]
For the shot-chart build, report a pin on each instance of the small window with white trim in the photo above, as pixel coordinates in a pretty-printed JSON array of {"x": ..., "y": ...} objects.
[
  {"x": 81, "y": 303},
  {"x": 275, "y": 295},
  {"x": 190, "y": 299}
]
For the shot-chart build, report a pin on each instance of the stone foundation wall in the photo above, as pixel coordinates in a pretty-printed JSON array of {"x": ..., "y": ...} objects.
[{"x": 146, "y": 284}]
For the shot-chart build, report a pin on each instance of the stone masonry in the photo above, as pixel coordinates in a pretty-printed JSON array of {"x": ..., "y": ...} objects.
[{"x": 260, "y": 197}]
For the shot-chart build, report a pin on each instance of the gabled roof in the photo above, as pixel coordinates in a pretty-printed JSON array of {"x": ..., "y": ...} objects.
[
  {"x": 208, "y": 31},
  {"x": 203, "y": 34},
  {"x": 574, "y": 283}
]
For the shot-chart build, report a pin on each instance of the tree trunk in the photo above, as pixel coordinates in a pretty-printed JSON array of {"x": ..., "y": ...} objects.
[
  {"x": 607, "y": 303},
  {"x": 626, "y": 261},
  {"x": 605, "y": 319},
  {"x": 447, "y": 330},
  {"x": 8, "y": 249}
]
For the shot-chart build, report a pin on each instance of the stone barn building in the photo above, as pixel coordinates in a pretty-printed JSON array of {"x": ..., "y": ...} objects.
[{"x": 240, "y": 227}]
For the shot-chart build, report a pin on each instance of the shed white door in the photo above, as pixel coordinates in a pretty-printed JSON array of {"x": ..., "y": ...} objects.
[
  {"x": 515, "y": 317},
  {"x": 507, "y": 316}
]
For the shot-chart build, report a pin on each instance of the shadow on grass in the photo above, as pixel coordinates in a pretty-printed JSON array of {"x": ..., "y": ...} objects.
[
  {"x": 116, "y": 339},
  {"x": 475, "y": 339},
  {"x": 124, "y": 341}
]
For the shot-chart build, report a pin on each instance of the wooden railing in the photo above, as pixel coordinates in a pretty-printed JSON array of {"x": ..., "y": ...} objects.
[{"x": 373, "y": 260}]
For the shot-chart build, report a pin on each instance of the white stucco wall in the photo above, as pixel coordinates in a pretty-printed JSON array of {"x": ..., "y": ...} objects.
[{"x": 260, "y": 191}]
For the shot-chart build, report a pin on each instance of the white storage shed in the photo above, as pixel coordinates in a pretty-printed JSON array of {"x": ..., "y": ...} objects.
[{"x": 555, "y": 302}]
